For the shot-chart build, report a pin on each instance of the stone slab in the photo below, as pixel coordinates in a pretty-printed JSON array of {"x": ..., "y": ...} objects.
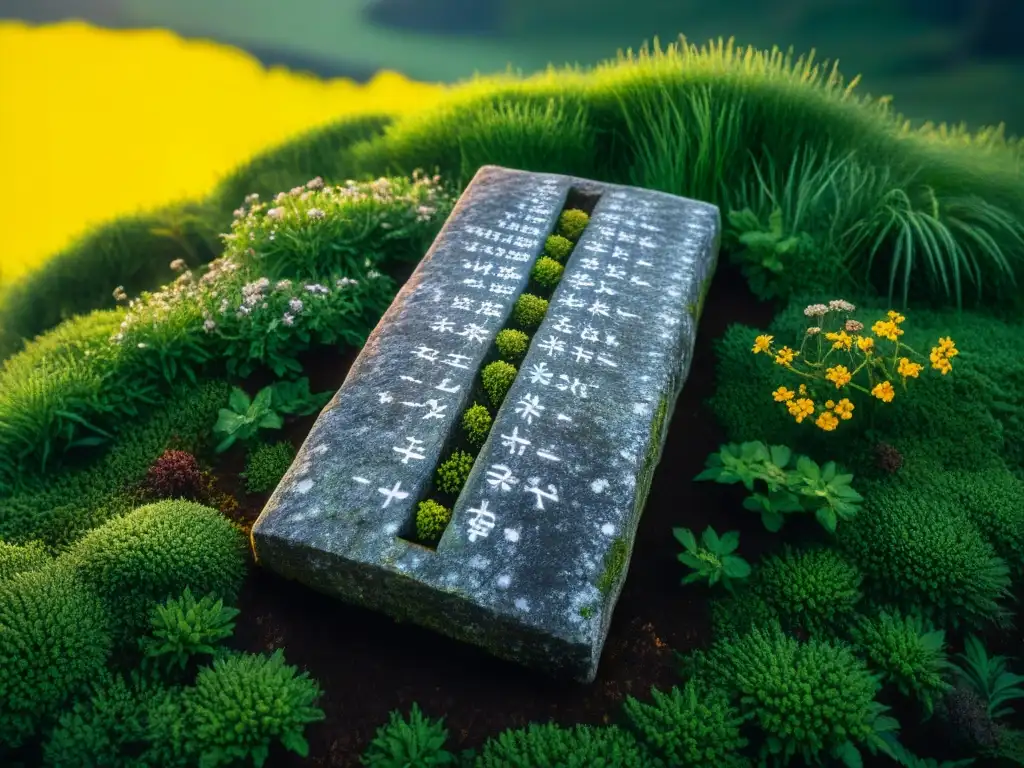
[{"x": 532, "y": 563}]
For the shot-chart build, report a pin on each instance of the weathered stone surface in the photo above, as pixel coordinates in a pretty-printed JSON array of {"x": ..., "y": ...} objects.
[{"x": 533, "y": 561}]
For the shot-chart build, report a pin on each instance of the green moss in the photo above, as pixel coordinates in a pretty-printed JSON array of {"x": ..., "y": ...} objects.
[
  {"x": 453, "y": 472},
  {"x": 587, "y": 612},
  {"x": 614, "y": 564},
  {"x": 266, "y": 465},
  {"x": 572, "y": 223},
  {"x": 497, "y": 379},
  {"x": 431, "y": 520},
  {"x": 476, "y": 423},
  {"x": 705, "y": 286},
  {"x": 529, "y": 310},
  {"x": 512, "y": 345},
  {"x": 558, "y": 248},
  {"x": 546, "y": 272}
]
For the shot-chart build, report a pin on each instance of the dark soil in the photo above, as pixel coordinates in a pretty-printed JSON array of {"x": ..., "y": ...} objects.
[{"x": 368, "y": 665}]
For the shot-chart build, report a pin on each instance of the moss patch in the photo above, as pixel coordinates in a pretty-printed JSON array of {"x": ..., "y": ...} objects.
[{"x": 614, "y": 564}]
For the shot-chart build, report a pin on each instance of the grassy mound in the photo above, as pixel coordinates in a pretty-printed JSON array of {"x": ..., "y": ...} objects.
[{"x": 930, "y": 211}]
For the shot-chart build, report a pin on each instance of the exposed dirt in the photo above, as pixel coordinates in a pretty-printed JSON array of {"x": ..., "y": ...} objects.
[{"x": 368, "y": 665}]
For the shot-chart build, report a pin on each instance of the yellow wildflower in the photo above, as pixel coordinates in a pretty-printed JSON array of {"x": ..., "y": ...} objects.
[
  {"x": 940, "y": 355},
  {"x": 907, "y": 368},
  {"x": 800, "y": 409},
  {"x": 839, "y": 375},
  {"x": 785, "y": 356},
  {"x": 802, "y": 389},
  {"x": 830, "y": 404},
  {"x": 896, "y": 317},
  {"x": 842, "y": 340},
  {"x": 782, "y": 394},
  {"x": 845, "y": 409},
  {"x": 884, "y": 392},
  {"x": 762, "y": 343},
  {"x": 827, "y": 421},
  {"x": 887, "y": 329},
  {"x": 941, "y": 364},
  {"x": 865, "y": 344}
]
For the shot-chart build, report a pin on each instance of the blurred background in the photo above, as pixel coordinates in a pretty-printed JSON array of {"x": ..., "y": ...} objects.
[
  {"x": 147, "y": 117},
  {"x": 944, "y": 60}
]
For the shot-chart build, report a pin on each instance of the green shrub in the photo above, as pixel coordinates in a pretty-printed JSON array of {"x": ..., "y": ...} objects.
[
  {"x": 571, "y": 224},
  {"x": 18, "y": 558},
  {"x": 907, "y": 653},
  {"x": 54, "y": 639},
  {"x": 528, "y": 311},
  {"x": 244, "y": 702},
  {"x": 184, "y": 627},
  {"x": 61, "y": 507},
  {"x": 454, "y": 471},
  {"x": 814, "y": 590},
  {"x": 402, "y": 743},
  {"x": 689, "y": 728},
  {"x": 738, "y": 613},
  {"x": 809, "y": 699},
  {"x": 512, "y": 345},
  {"x": 558, "y": 248},
  {"x": 431, "y": 520},
  {"x": 919, "y": 551},
  {"x": 121, "y": 725},
  {"x": 546, "y": 272},
  {"x": 476, "y": 423},
  {"x": 497, "y": 379},
  {"x": 153, "y": 553},
  {"x": 994, "y": 501},
  {"x": 552, "y": 746},
  {"x": 266, "y": 465}
]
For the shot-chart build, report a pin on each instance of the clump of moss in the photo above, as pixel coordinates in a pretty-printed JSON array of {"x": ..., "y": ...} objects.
[
  {"x": 266, "y": 465},
  {"x": 529, "y": 311},
  {"x": 512, "y": 344},
  {"x": 497, "y": 379},
  {"x": 431, "y": 520},
  {"x": 572, "y": 223},
  {"x": 614, "y": 563},
  {"x": 558, "y": 248},
  {"x": 454, "y": 471},
  {"x": 476, "y": 423},
  {"x": 547, "y": 272}
]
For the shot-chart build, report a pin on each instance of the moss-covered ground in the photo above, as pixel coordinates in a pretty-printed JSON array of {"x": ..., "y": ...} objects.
[{"x": 131, "y": 413}]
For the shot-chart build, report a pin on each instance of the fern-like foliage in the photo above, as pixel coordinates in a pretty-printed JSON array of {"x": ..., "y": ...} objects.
[
  {"x": 552, "y": 746},
  {"x": 243, "y": 702},
  {"x": 687, "y": 729},
  {"x": 416, "y": 742},
  {"x": 184, "y": 627},
  {"x": 989, "y": 678}
]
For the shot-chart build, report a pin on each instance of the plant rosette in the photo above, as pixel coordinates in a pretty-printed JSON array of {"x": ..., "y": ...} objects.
[
  {"x": 781, "y": 483},
  {"x": 839, "y": 362},
  {"x": 712, "y": 560}
]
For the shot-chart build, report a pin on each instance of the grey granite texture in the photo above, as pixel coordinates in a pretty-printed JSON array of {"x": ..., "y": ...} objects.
[{"x": 533, "y": 561}]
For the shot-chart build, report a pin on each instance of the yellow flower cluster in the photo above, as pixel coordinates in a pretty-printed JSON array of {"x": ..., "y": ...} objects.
[
  {"x": 942, "y": 353},
  {"x": 858, "y": 352}
]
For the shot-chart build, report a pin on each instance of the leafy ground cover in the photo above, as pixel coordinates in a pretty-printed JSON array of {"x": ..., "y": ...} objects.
[{"x": 850, "y": 545}]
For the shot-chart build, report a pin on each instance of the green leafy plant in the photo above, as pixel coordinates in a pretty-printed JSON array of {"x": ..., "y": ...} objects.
[
  {"x": 19, "y": 558},
  {"x": 907, "y": 653},
  {"x": 221, "y": 709},
  {"x": 266, "y": 464},
  {"x": 512, "y": 344},
  {"x": 765, "y": 250},
  {"x": 546, "y": 272},
  {"x": 245, "y": 417},
  {"x": 558, "y": 248},
  {"x": 497, "y": 378},
  {"x": 295, "y": 399},
  {"x": 713, "y": 559},
  {"x": 183, "y": 628},
  {"x": 813, "y": 590},
  {"x": 811, "y": 699},
  {"x": 784, "y": 489},
  {"x": 476, "y": 423},
  {"x": 413, "y": 742},
  {"x": 552, "y": 746},
  {"x": 454, "y": 471},
  {"x": 989, "y": 678},
  {"x": 571, "y": 224},
  {"x": 431, "y": 520},
  {"x": 54, "y": 639},
  {"x": 689, "y": 728},
  {"x": 528, "y": 311}
]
